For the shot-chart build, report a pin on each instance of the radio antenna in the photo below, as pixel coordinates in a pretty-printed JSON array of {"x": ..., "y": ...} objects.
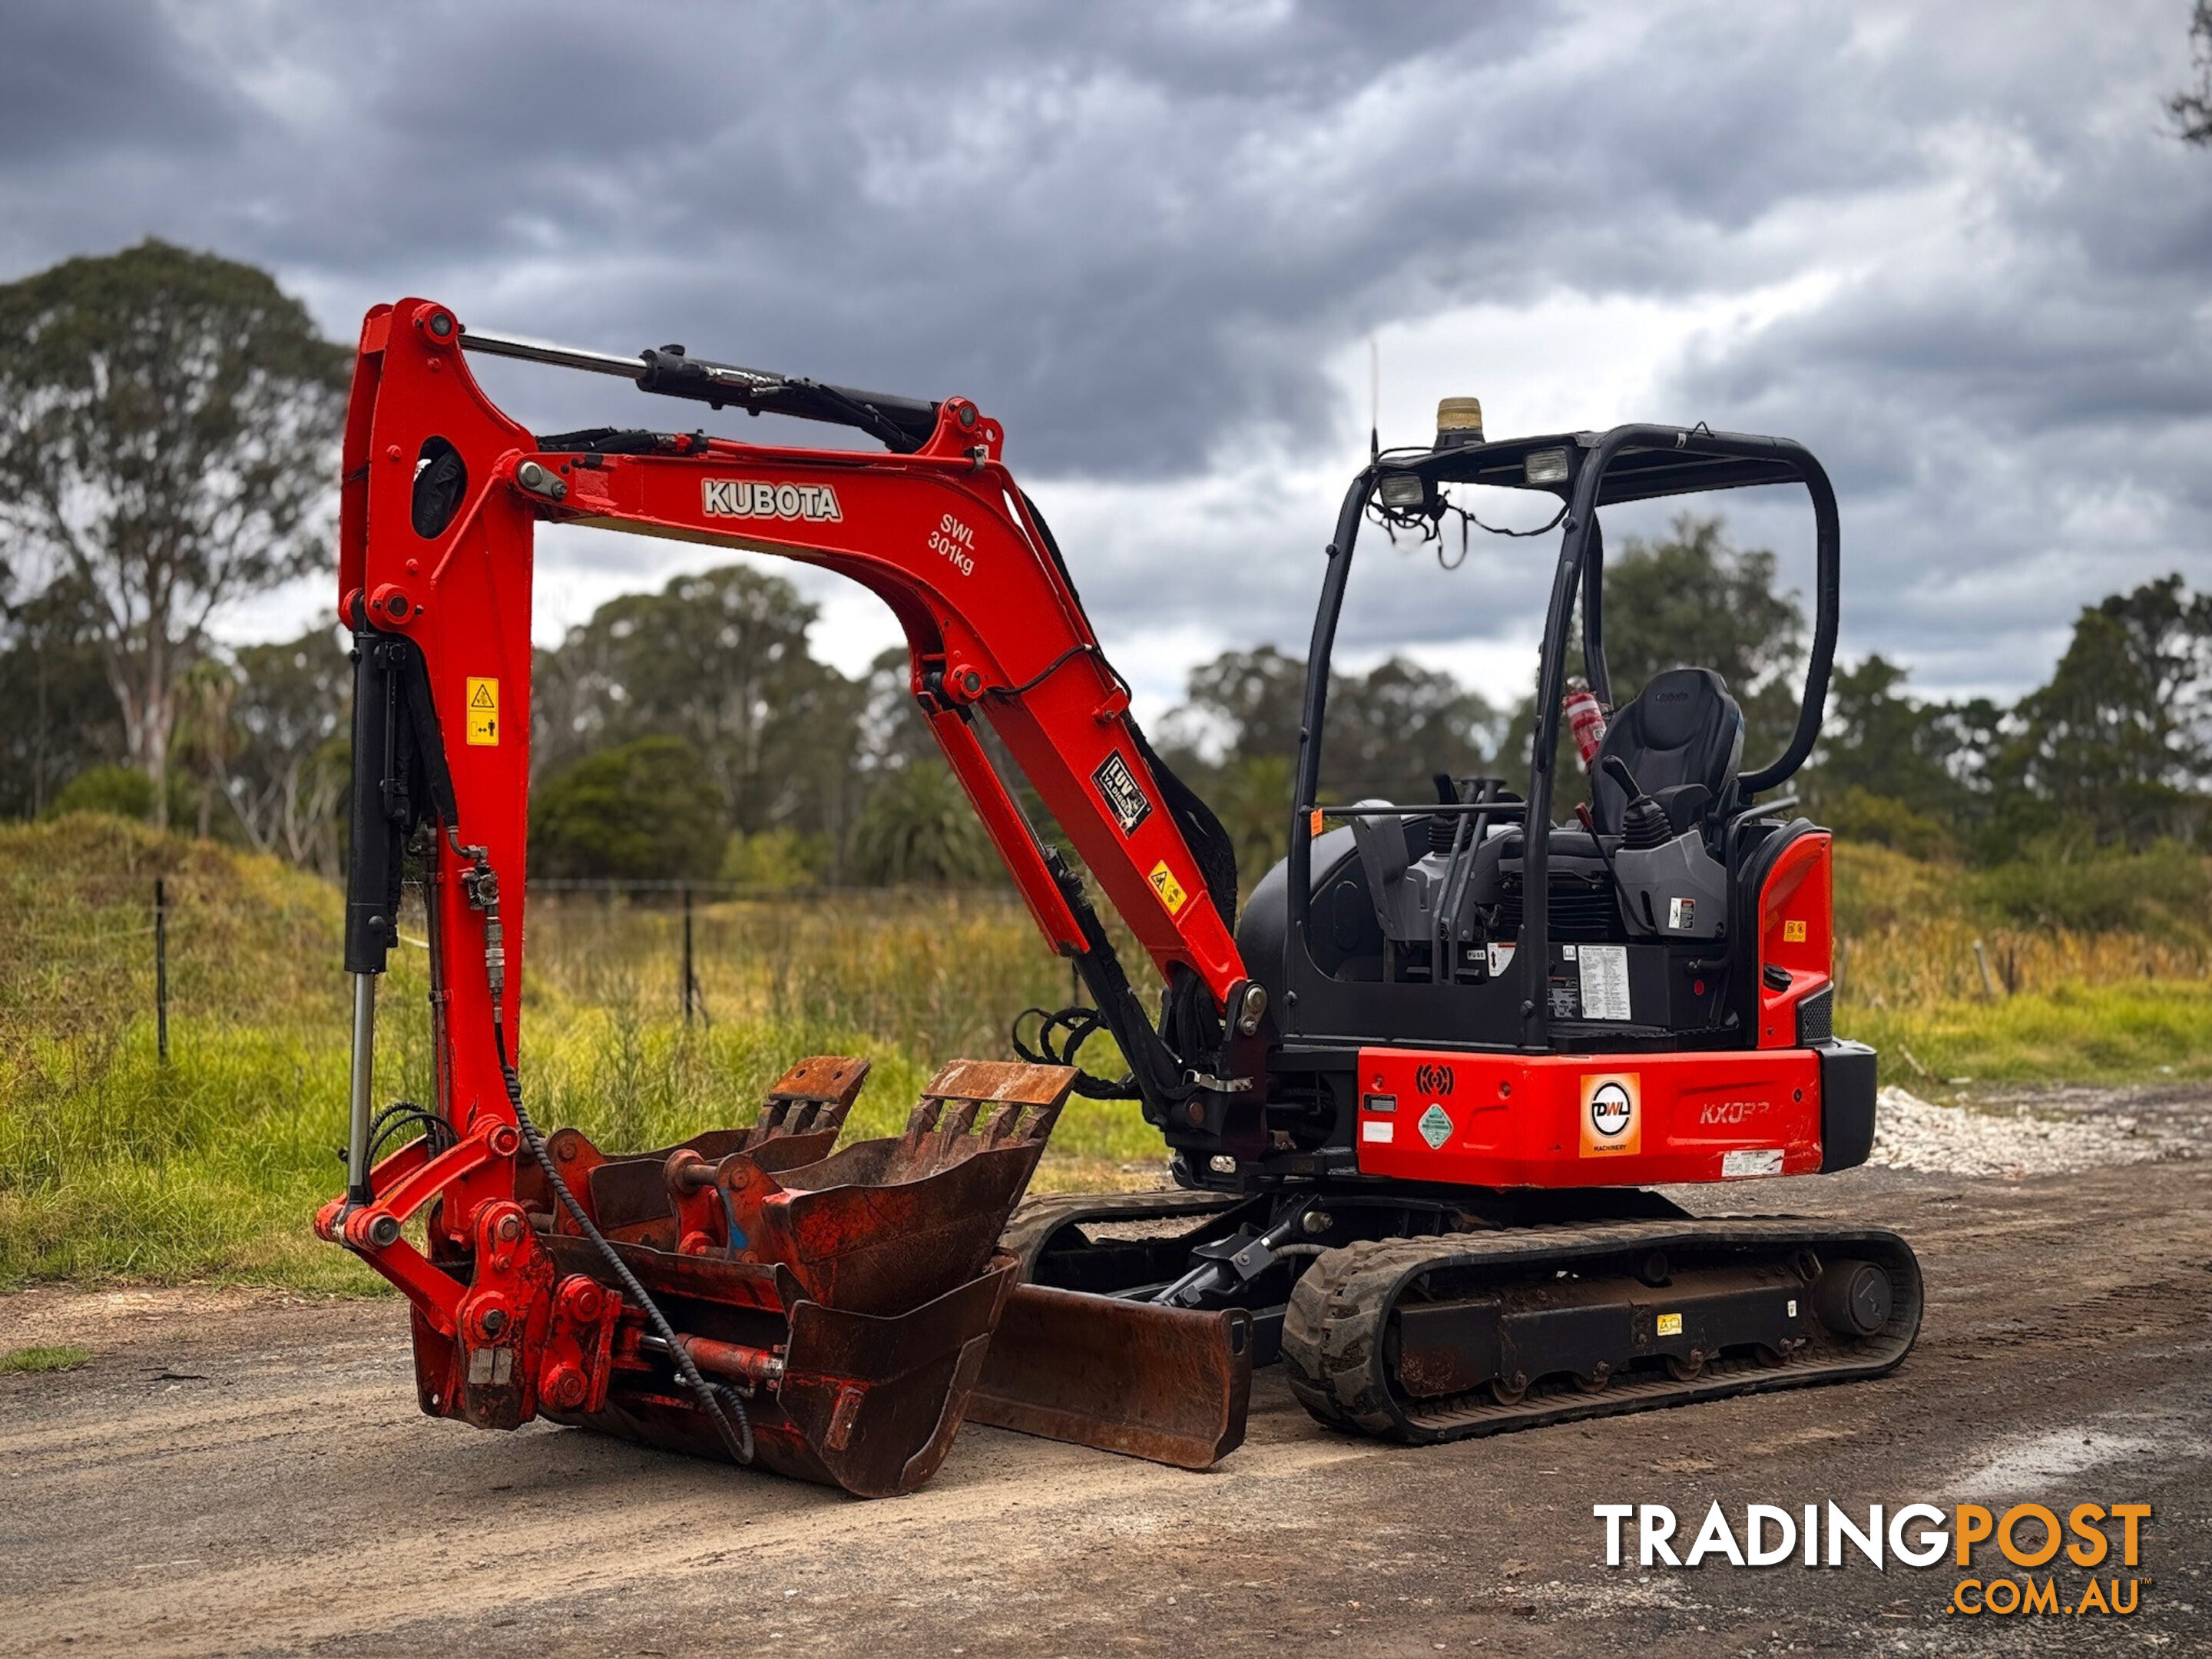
[{"x": 1374, "y": 400}]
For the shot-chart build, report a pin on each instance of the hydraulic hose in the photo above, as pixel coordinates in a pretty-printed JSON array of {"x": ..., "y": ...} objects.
[
  {"x": 481, "y": 886},
  {"x": 740, "y": 1439}
]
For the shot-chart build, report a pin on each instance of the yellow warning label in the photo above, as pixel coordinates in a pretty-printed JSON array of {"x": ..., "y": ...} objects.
[
  {"x": 484, "y": 712},
  {"x": 1169, "y": 889},
  {"x": 1670, "y": 1324},
  {"x": 1793, "y": 932}
]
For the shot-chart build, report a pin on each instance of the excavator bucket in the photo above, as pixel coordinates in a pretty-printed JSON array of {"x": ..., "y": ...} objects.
[{"x": 842, "y": 1303}]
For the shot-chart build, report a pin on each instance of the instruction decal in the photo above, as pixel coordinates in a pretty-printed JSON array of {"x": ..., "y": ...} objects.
[
  {"x": 1603, "y": 970},
  {"x": 1123, "y": 795},
  {"x": 1793, "y": 932},
  {"x": 1169, "y": 889},
  {"x": 1436, "y": 1127},
  {"x": 1611, "y": 1113},
  {"x": 1751, "y": 1161},
  {"x": 483, "y": 713}
]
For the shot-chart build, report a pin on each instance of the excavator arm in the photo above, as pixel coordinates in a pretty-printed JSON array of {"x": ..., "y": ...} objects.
[
  {"x": 442, "y": 493},
  {"x": 554, "y": 1280}
]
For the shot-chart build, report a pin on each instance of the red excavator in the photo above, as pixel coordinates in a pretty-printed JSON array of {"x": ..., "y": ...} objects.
[{"x": 1416, "y": 1097}]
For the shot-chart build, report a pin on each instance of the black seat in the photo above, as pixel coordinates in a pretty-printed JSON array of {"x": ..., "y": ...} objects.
[{"x": 1682, "y": 738}]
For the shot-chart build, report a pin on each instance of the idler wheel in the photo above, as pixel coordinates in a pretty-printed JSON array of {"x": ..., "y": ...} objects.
[
  {"x": 1686, "y": 1367},
  {"x": 1853, "y": 1299},
  {"x": 1510, "y": 1390},
  {"x": 1596, "y": 1380}
]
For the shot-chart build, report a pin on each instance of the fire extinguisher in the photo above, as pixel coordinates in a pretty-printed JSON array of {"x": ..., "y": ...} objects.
[{"x": 1585, "y": 718}]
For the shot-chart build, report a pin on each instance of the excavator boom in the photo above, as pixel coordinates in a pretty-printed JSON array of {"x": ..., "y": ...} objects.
[{"x": 441, "y": 493}]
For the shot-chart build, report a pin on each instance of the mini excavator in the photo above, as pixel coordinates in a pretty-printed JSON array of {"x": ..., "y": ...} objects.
[{"x": 1416, "y": 1097}]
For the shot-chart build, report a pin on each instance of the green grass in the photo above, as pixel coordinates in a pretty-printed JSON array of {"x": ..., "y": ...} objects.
[
  {"x": 46, "y": 1356},
  {"x": 2126, "y": 1033},
  {"x": 113, "y": 1166},
  {"x": 2083, "y": 1003}
]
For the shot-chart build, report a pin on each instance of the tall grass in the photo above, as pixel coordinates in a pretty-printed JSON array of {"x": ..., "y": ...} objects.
[
  {"x": 113, "y": 1164},
  {"x": 2096, "y": 969}
]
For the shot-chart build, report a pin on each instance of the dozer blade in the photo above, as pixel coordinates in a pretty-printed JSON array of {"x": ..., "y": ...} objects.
[{"x": 1169, "y": 1384}]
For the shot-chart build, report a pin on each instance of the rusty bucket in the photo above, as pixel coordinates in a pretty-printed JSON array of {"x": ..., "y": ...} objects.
[{"x": 841, "y": 1303}]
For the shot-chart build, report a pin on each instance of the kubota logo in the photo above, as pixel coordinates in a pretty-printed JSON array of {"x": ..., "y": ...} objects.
[{"x": 742, "y": 498}]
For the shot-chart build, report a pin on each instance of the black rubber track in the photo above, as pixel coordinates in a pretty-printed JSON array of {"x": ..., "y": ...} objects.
[{"x": 1333, "y": 1334}]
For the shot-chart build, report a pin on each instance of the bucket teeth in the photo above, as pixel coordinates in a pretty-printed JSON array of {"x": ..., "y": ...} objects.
[{"x": 812, "y": 1098}]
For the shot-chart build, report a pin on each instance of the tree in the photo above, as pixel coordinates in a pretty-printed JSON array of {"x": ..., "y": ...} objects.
[
  {"x": 1694, "y": 601},
  {"x": 1387, "y": 731},
  {"x": 2192, "y": 110},
  {"x": 2120, "y": 742},
  {"x": 1240, "y": 706},
  {"x": 1251, "y": 796},
  {"x": 292, "y": 765},
  {"x": 919, "y": 828},
  {"x": 1691, "y": 601},
  {"x": 62, "y": 716},
  {"x": 168, "y": 422},
  {"x": 719, "y": 661},
  {"x": 204, "y": 740},
  {"x": 1894, "y": 770},
  {"x": 647, "y": 810}
]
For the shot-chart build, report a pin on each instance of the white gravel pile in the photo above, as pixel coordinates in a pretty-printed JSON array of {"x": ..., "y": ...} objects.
[{"x": 1912, "y": 1133}]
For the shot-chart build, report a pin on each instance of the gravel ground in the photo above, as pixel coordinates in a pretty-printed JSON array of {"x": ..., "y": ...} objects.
[
  {"x": 243, "y": 1472},
  {"x": 2039, "y": 1133}
]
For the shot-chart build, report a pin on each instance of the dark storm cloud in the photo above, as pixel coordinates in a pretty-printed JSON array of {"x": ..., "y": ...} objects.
[
  {"x": 1141, "y": 233},
  {"x": 78, "y": 79}
]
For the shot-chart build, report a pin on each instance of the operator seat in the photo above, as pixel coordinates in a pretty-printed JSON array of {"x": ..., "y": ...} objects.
[{"x": 1682, "y": 738}]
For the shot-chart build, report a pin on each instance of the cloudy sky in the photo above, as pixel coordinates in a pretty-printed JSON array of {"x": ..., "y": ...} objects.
[{"x": 1953, "y": 248}]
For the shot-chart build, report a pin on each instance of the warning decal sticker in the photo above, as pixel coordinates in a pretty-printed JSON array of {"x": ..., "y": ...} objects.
[
  {"x": 1611, "y": 1113},
  {"x": 484, "y": 712},
  {"x": 1436, "y": 1126},
  {"x": 1124, "y": 797},
  {"x": 1169, "y": 889},
  {"x": 1793, "y": 932}
]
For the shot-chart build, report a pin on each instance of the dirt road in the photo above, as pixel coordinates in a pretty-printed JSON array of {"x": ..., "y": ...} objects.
[{"x": 245, "y": 1472}]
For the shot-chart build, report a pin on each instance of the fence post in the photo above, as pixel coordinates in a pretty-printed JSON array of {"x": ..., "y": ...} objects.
[
  {"x": 1982, "y": 961},
  {"x": 161, "y": 969},
  {"x": 687, "y": 955}
]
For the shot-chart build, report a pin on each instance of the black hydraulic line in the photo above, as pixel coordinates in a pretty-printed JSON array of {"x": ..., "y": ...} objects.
[
  {"x": 739, "y": 1440},
  {"x": 1060, "y": 1035},
  {"x": 482, "y": 887}
]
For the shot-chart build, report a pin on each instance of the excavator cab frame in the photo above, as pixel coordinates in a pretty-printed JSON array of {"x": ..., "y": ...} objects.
[{"x": 1585, "y": 471}]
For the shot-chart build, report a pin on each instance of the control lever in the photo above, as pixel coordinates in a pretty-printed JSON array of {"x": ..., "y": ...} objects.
[{"x": 1644, "y": 823}]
